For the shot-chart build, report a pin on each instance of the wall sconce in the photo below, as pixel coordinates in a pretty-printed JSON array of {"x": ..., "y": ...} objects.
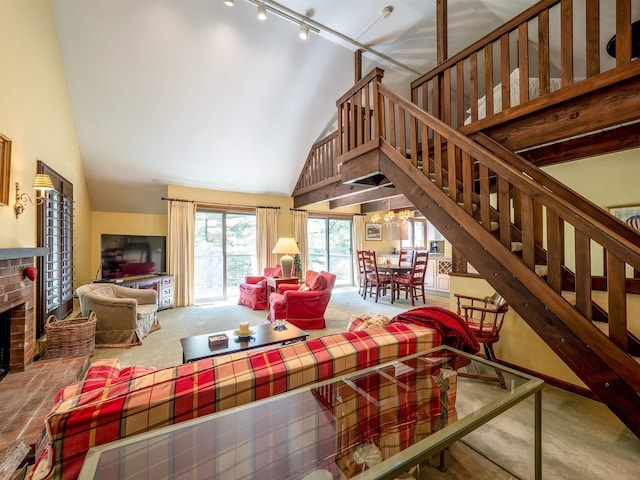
[{"x": 41, "y": 183}]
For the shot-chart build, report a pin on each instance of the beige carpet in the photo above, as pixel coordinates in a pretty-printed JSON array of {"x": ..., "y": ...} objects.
[
  {"x": 581, "y": 437},
  {"x": 162, "y": 348}
]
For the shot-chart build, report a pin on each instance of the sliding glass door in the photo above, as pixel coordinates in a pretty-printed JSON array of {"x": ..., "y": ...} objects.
[
  {"x": 225, "y": 252},
  {"x": 330, "y": 247}
]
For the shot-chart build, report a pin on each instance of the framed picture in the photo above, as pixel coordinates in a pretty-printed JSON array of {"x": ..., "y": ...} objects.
[
  {"x": 628, "y": 214},
  {"x": 373, "y": 231},
  {"x": 5, "y": 169}
]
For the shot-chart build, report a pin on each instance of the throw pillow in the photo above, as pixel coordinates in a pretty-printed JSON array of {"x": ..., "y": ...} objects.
[
  {"x": 319, "y": 283},
  {"x": 364, "y": 322},
  {"x": 304, "y": 288},
  {"x": 310, "y": 277}
]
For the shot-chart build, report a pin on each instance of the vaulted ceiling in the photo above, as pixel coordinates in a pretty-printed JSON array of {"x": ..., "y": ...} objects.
[{"x": 196, "y": 93}]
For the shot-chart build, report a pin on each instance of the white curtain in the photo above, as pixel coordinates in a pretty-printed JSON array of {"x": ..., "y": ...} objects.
[
  {"x": 300, "y": 218},
  {"x": 266, "y": 237},
  {"x": 358, "y": 243},
  {"x": 182, "y": 227}
]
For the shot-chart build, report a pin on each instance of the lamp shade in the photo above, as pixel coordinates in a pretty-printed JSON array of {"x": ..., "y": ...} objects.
[
  {"x": 286, "y": 246},
  {"x": 42, "y": 181}
]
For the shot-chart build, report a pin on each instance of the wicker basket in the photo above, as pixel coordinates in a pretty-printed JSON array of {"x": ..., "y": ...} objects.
[{"x": 73, "y": 337}]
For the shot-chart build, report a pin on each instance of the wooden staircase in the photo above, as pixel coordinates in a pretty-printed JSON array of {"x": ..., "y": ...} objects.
[{"x": 508, "y": 218}]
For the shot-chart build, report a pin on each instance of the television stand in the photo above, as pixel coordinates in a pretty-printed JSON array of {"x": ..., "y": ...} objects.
[{"x": 161, "y": 283}]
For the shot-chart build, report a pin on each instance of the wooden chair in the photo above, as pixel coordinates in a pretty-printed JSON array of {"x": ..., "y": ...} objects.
[
  {"x": 372, "y": 277},
  {"x": 484, "y": 317},
  {"x": 406, "y": 256},
  {"x": 361, "y": 274},
  {"x": 413, "y": 283}
]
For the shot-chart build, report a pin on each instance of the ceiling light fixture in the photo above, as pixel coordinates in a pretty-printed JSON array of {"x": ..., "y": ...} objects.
[
  {"x": 298, "y": 18},
  {"x": 304, "y": 31},
  {"x": 229, "y": 3},
  {"x": 262, "y": 11}
]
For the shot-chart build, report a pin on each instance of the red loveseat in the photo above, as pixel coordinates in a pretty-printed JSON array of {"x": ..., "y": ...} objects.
[
  {"x": 253, "y": 291},
  {"x": 303, "y": 306}
]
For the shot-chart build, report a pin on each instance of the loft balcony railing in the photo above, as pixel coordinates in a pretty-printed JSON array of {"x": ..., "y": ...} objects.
[{"x": 527, "y": 63}]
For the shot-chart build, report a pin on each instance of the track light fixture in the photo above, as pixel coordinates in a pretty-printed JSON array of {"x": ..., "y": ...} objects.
[
  {"x": 304, "y": 31},
  {"x": 262, "y": 11},
  {"x": 305, "y": 22}
]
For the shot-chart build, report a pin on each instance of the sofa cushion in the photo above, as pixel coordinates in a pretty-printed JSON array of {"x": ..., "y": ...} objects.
[{"x": 146, "y": 310}]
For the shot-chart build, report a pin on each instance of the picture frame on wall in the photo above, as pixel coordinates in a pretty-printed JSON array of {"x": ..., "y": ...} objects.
[
  {"x": 5, "y": 169},
  {"x": 629, "y": 214},
  {"x": 373, "y": 231}
]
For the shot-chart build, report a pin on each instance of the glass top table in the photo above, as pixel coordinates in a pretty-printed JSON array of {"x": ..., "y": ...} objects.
[{"x": 375, "y": 423}]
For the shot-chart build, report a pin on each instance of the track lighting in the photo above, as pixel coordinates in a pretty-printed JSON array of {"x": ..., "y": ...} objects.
[
  {"x": 262, "y": 11},
  {"x": 304, "y": 31},
  {"x": 229, "y": 3}
]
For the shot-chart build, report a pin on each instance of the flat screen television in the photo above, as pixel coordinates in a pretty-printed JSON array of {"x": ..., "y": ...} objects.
[{"x": 132, "y": 255}]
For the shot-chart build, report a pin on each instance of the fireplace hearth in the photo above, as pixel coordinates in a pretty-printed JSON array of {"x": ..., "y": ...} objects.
[{"x": 16, "y": 303}]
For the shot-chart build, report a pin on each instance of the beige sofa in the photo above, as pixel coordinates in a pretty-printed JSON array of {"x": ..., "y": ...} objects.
[{"x": 124, "y": 315}]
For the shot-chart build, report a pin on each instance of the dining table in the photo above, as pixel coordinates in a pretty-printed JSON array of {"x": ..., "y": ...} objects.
[{"x": 392, "y": 270}]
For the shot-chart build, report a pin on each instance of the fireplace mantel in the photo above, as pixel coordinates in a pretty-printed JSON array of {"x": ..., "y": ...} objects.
[{"x": 13, "y": 253}]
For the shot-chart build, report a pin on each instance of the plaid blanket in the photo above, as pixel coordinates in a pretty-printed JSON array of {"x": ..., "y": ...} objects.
[
  {"x": 87, "y": 416},
  {"x": 450, "y": 325}
]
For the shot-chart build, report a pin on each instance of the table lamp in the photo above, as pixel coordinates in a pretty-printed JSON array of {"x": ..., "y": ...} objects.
[{"x": 286, "y": 246}]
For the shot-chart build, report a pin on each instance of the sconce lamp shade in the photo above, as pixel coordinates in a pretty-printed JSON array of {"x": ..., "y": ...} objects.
[
  {"x": 286, "y": 246},
  {"x": 42, "y": 182}
]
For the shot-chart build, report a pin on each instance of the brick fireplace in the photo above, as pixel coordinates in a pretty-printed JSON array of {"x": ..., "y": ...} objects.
[{"x": 17, "y": 298}]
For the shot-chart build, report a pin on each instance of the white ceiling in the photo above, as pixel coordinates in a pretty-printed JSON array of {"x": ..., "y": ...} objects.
[{"x": 192, "y": 92}]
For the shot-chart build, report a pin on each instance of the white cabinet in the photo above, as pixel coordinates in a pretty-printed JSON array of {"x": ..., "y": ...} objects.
[
  {"x": 433, "y": 233},
  {"x": 430, "y": 276},
  {"x": 438, "y": 274}
]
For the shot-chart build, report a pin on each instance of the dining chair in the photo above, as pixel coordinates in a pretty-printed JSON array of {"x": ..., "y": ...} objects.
[
  {"x": 362, "y": 277},
  {"x": 406, "y": 256},
  {"x": 413, "y": 283},
  {"x": 373, "y": 278}
]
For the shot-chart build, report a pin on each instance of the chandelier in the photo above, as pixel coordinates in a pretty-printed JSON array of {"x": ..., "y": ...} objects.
[{"x": 388, "y": 218}]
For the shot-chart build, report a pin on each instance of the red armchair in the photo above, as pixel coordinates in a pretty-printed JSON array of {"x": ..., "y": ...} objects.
[
  {"x": 303, "y": 306},
  {"x": 253, "y": 291}
]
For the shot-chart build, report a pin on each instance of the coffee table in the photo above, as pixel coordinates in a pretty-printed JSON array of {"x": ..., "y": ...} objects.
[{"x": 197, "y": 347}]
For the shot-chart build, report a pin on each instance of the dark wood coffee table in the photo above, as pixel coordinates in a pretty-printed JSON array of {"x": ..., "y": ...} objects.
[{"x": 197, "y": 347}]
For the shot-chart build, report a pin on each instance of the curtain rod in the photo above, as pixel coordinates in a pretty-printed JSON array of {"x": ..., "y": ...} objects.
[
  {"x": 217, "y": 204},
  {"x": 328, "y": 214}
]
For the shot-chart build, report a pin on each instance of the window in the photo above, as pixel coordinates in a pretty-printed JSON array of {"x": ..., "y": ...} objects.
[
  {"x": 417, "y": 234},
  {"x": 225, "y": 252},
  {"x": 55, "y": 233},
  {"x": 329, "y": 241}
]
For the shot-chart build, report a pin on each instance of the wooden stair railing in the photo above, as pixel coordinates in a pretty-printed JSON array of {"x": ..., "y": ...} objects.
[
  {"x": 601, "y": 362},
  {"x": 320, "y": 165},
  {"x": 451, "y": 91}
]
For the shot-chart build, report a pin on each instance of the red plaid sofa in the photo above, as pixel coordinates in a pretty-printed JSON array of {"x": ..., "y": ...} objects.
[{"x": 110, "y": 403}]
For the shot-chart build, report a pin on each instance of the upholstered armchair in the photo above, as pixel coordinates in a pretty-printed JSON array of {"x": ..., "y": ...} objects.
[
  {"x": 303, "y": 306},
  {"x": 124, "y": 316},
  {"x": 253, "y": 291}
]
